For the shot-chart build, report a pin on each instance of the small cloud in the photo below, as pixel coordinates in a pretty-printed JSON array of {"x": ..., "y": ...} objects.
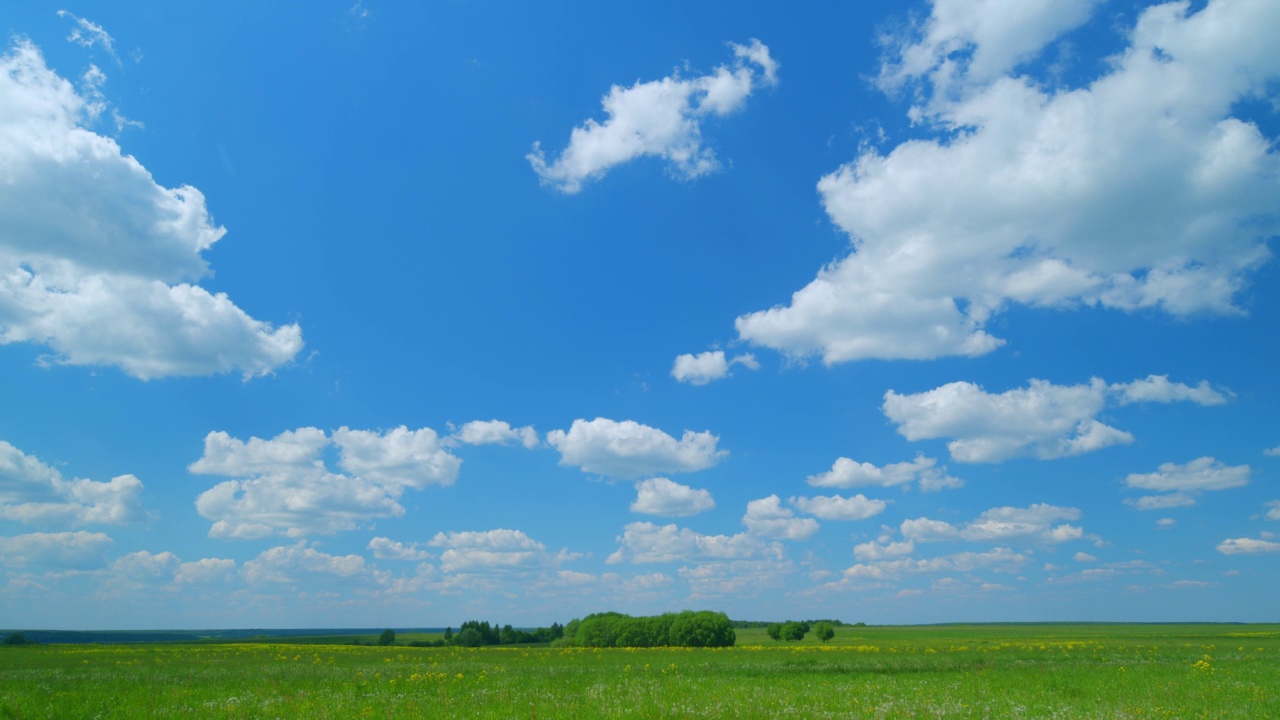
[
  {"x": 660, "y": 496},
  {"x": 1247, "y": 546},
  {"x": 1084, "y": 557},
  {"x": 88, "y": 34},
  {"x": 709, "y": 366},
  {"x": 1166, "y": 523}
]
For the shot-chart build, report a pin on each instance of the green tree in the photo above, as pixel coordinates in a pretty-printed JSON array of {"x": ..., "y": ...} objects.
[
  {"x": 775, "y": 631},
  {"x": 469, "y": 637},
  {"x": 388, "y": 637},
  {"x": 448, "y": 635},
  {"x": 794, "y": 631},
  {"x": 15, "y": 639},
  {"x": 823, "y": 631}
]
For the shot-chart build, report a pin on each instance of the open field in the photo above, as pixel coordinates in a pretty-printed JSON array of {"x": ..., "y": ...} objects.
[{"x": 1000, "y": 671}]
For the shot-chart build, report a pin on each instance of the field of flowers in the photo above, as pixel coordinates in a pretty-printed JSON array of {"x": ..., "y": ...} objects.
[{"x": 999, "y": 671}]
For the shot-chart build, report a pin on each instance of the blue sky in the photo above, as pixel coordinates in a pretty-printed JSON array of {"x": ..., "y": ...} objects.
[{"x": 322, "y": 314}]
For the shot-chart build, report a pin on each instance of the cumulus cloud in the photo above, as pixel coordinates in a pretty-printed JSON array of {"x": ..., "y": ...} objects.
[
  {"x": 661, "y": 118},
  {"x": 1273, "y": 512},
  {"x": 660, "y": 496},
  {"x": 878, "y": 571},
  {"x": 496, "y": 432},
  {"x": 1034, "y": 523},
  {"x": 205, "y": 570},
  {"x": 1272, "y": 452},
  {"x": 836, "y": 507},
  {"x": 388, "y": 549},
  {"x": 1042, "y": 420},
  {"x": 1157, "y": 388},
  {"x": 869, "y": 551},
  {"x": 1247, "y": 546},
  {"x": 628, "y": 449},
  {"x": 767, "y": 518},
  {"x": 705, "y": 367},
  {"x": 1141, "y": 189},
  {"x": 644, "y": 542},
  {"x": 97, "y": 260},
  {"x": 1182, "y": 483},
  {"x": 59, "y": 551},
  {"x": 291, "y": 563},
  {"x": 846, "y": 473},
  {"x": 489, "y": 551},
  {"x": 33, "y": 492},
  {"x": 282, "y": 486}
]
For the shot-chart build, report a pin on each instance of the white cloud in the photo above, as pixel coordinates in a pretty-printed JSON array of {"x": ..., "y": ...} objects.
[
  {"x": 870, "y": 551},
  {"x": 1272, "y": 452},
  {"x": 489, "y": 551},
  {"x": 660, "y": 496},
  {"x": 1157, "y": 388},
  {"x": 1247, "y": 546},
  {"x": 143, "y": 565},
  {"x": 644, "y": 542},
  {"x": 291, "y": 563},
  {"x": 33, "y": 492},
  {"x": 496, "y": 432},
  {"x": 766, "y": 517},
  {"x": 205, "y": 570},
  {"x": 388, "y": 549},
  {"x": 64, "y": 551},
  {"x": 1035, "y": 523},
  {"x": 705, "y": 367},
  {"x": 999, "y": 559},
  {"x": 837, "y": 507},
  {"x": 88, "y": 34},
  {"x": 628, "y": 449},
  {"x": 1042, "y": 420},
  {"x": 1084, "y": 557},
  {"x": 1161, "y": 502},
  {"x": 1274, "y": 512},
  {"x": 281, "y": 485},
  {"x": 1166, "y": 523},
  {"x": 660, "y": 118},
  {"x": 1201, "y": 474},
  {"x": 846, "y": 473},
  {"x": 1139, "y": 190},
  {"x": 97, "y": 260},
  {"x": 735, "y": 578}
]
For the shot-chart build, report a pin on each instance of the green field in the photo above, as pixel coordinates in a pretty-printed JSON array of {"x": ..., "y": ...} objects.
[{"x": 969, "y": 671}]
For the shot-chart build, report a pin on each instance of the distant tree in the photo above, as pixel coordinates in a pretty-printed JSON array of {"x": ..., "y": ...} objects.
[
  {"x": 775, "y": 631},
  {"x": 794, "y": 631},
  {"x": 448, "y": 635},
  {"x": 14, "y": 639},
  {"x": 469, "y": 637},
  {"x": 388, "y": 637},
  {"x": 823, "y": 631}
]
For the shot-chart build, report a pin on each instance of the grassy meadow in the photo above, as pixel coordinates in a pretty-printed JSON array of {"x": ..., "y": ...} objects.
[{"x": 960, "y": 671}]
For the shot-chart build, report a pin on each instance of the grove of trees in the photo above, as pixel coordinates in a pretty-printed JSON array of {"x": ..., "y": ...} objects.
[{"x": 684, "y": 629}]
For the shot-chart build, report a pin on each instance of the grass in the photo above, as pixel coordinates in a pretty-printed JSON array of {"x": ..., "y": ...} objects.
[{"x": 1001, "y": 671}]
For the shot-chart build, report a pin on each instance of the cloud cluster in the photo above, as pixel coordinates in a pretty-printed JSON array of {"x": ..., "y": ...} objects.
[
  {"x": 496, "y": 432},
  {"x": 644, "y": 542},
  {"x": 837, "y": 507},
  {"x": 767, "y": 518},
  {"x": 661, "y": 496},
  {"x": 78, "y": 550},
  {"x": 97, "y": 261},
  {"x": 1141, "y": 189},
  {"x": 706, "y": 367},
  {"x": 628, "y": 449},
  {"x": 1181, "y": 483},
  {"x": 923, "y": 471},
  {"x": 33, "y": 492},
  {"x": 1042, "y": 420},
  {"x": 661, "y": 118},
  {"x": 1040, "y": 523},
  {"x": 282, "y": 486}
]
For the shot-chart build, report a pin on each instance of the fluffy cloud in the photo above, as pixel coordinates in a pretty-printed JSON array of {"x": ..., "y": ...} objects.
[
  {"x": 1034, "y": 523},
  {"x": 705, "y": 367},
  {"x": 644, "y": 542},
  {"x": 1183, "y": 482},
  {"x": 96, "y": 259},
  {"x": 998, "y": 559},
  {"x": 205, "y": 570},
  {"x": 1247, "y": 546},
  {"x": 869, "y": 551},
  {"x": 660, "y": 118},
  {"x": 1273, "y": 513},
  {"x": 766, "y": 517},
  {"x": 1138, "y": 190},
  {"x": 33, "y": 492},
  {"x": 1157, "y": 388},
  {"x": 62, "y": 551},
  {"x": 1042, "y": 420},
  {"x": 281, "y": 485},
  {"x": 490, "y": 551},
  {"x": 1272, "y": 452},
  {"x": 660, "y": 496},
  {"x": 291, "y": 563},
  {"x": 628, "y": 449},
  {"x": 836, "y": 507},
  {"x": 496, "y": 432},
  {"x": 388, "y": 549},
  {"x": 846, "y": 473}
]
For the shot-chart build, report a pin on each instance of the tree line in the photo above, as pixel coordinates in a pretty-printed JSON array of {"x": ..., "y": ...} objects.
[{"x": 684, "y": 629}]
